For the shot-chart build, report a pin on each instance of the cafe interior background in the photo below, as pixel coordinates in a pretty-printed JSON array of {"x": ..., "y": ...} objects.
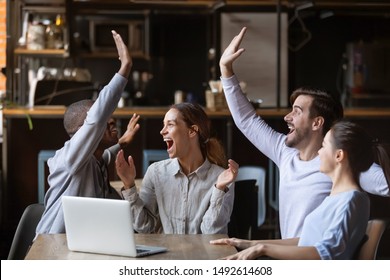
[{"x": 65, "y": 47}]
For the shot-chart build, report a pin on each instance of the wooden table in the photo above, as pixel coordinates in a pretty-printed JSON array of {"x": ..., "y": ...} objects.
[{"x": 180, "y": 247}]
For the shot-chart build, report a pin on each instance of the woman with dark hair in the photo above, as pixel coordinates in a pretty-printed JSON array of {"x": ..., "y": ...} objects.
[
  {"x": 335, "y": 229},
  {"x": 190, "y": 192}
]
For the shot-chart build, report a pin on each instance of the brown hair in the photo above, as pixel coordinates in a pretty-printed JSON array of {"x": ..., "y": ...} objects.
[
  {"x": 323, "y": 105},
  {"x": 211, "y": 147},
  {"x": 360, "y": 148}
]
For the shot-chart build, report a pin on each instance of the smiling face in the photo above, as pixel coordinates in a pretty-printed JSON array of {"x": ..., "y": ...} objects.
[
  {"x": 299, "y": 122},
  {"x": 176, "y": 134},
  {"x": 110, "y": 136},
  {"x": 327, "y": 154}
]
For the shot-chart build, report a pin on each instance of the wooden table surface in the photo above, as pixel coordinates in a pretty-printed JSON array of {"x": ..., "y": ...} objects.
[{"x": 180, "y": 247}]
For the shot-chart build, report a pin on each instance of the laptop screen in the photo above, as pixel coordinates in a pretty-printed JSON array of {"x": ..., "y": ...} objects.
[{"x": 98, "y": 225}]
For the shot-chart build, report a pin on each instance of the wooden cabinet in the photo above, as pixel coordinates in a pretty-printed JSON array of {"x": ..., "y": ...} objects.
[
  {"x": 177, "y": 46},
  {"x": 37, "y": 34},
  {"x": 170, "y": 48},
  {"x": 34, "y": 52}
]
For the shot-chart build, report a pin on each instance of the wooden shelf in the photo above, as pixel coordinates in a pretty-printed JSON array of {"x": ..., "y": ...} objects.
[
  {"x": 58, "y": 112},
  {"x": 370, "y": 96},
  {"x": 134, "y": 54},
  {"x": 44, "y": 52}
]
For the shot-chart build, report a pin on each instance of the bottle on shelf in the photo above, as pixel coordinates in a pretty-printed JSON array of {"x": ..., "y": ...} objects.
[
  {"x": 55, "y": 34},
  {"x": 59, "y": 32},
  {"x": 50, "y": 36}
]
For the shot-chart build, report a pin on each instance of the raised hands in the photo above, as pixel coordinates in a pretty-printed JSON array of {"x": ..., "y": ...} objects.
[
  {"x": 124, "y": 55},
  {"x": 231, "y": 53},
  {"x": 125, "y": 170},
  {"x": 132, "y": 128},
  {"x": 228, "y": 175}
]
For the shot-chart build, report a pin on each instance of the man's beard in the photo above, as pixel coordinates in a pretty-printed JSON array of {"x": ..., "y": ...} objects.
[{"x": 296, "y": 140}]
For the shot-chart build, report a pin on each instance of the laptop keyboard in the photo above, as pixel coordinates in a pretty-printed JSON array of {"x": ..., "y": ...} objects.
[{"x": 140, "y": 251}]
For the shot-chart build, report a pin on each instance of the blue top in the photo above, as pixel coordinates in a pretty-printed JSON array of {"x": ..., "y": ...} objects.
[{"x": 338, "y": 225}]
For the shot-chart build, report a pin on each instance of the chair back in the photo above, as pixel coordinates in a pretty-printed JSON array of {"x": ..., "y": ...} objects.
[
  {"x": 25, "y": 231},
  {"x": 242, "y": 219},
  {"x": 150, "y": 156},
  {"x": 374, "y": 232},
  {"x": 43, "y": 156},
  {"x": 257, "y": 173}
]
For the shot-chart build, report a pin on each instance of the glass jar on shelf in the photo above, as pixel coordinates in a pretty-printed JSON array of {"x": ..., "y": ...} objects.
[
  {"x": 55, "y": 34},
  {"x": 35, "y": 35}
]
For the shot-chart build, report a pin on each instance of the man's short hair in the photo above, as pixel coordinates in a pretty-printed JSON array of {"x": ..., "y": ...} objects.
[
  {"x": 323, "y": 105},
  {"x": 75, "y": 115}
]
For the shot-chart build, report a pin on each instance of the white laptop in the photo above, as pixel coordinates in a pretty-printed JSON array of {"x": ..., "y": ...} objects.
[{"x": 103, "y": 226}]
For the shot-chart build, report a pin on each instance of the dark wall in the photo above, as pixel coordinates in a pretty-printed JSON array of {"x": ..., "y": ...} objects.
[
  {"x": 179, "y": 48},
  {"x": 178, "y": 59},
  {"x": 319, "y": 62}
]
